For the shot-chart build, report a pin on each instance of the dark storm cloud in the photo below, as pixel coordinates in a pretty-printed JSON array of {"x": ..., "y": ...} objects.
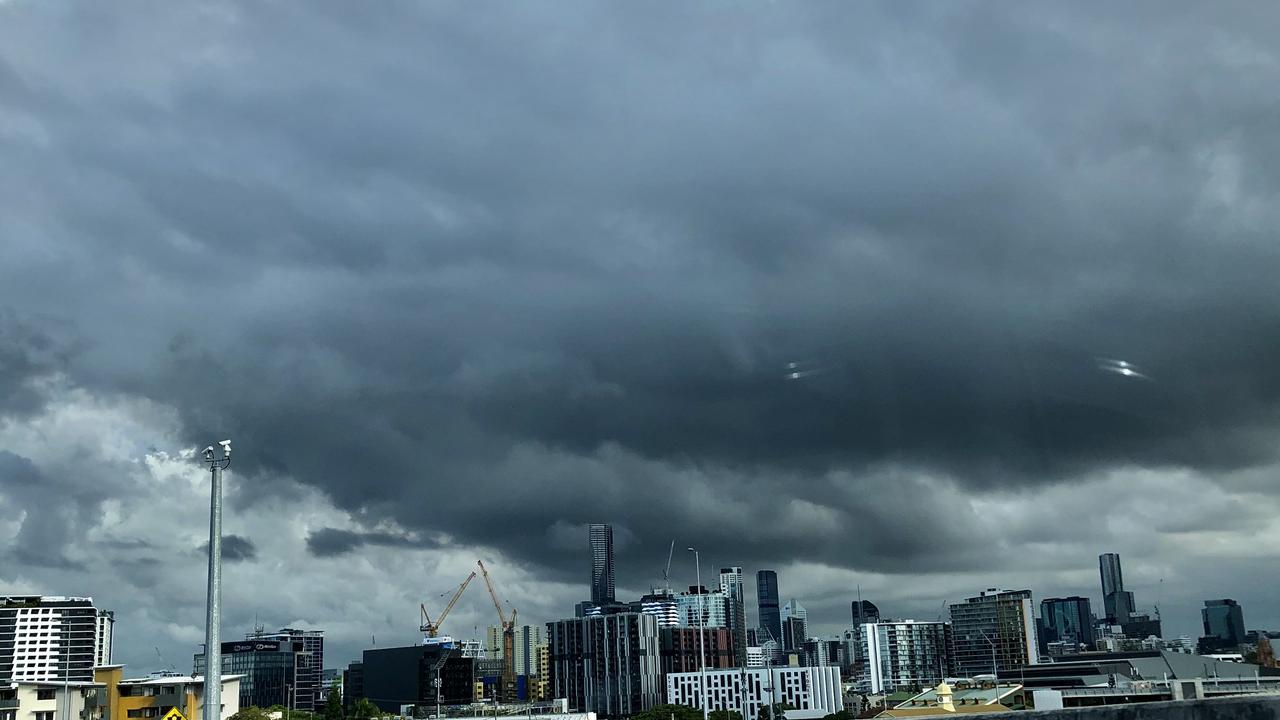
[
  {"x": 478, "y": 272},
  {"x": 329, "y": 542},
  {"x": 235, "y": 548}
]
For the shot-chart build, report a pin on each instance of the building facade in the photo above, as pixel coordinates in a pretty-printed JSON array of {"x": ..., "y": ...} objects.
[
  {"x": 606, "y": 664},
  {"x": 46, "y": 638},
  {"x": 393, "y": 677},
  {"x": 601, "y": 537},
  {"x": 662, "y": 606},
  {"x": 1117, "y": 604},
  {"x": 794, "y": 633},
  {"x": 810, "y": 692},
  {"x": 767, "y": 606},
  {"x": 1067, "y": 620},
  {"x": 864, "y": 611},
  {"x": 678, "y": 649},
  {"x": 274, "y": 671},
  {"x": 527, "y": 640},
  {"x": 735, "y": 604},
  {"x": 700, "y": 608},
  {"x": 307, "y": 686},
  {"x": 897, "y": 655},
  {"x": 993, "y": 631},
  {"x": 793, "y": 608}
]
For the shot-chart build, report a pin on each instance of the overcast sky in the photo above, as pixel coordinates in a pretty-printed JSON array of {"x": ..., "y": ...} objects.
[{"x": 839, "y": 289}]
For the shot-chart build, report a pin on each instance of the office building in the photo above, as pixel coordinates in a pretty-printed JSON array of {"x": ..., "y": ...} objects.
[
  {"x": 1117, "y": 604},
  {"x": 895, "y": 655},
  {"x": 794, "y": 633},
  {"x": 1223, "y": 624},
  {"x": 277, "y": 668},
  {"x": 819, "y": 652},
  {"x": 756, "y": 657},
  {"x": 808, "y": 692},
  {"x": 606, "y": 664},
  {"x": 767, "y": 605},
  {"x": 1067, "y": 620},
  {"x": 736, "y": 608},
  {"x": 678, "y": 649},
  {"x": 601, "y": 537},
  {"x": 46, "y": 638},
  {"x": 700, "y": 608},
  {"x": 865, "y": 611},
  {"x": 393, "y": 677},
  {"x": 793, "y": 608},
  {"x": 995, "y": 628},
  {"x": 662, "y": 606},
  {"x": 1141, "y": 625}
]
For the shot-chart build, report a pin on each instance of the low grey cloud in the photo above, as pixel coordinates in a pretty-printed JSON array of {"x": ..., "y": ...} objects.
[
  {"x": 826, "y": 294},
  {"x": 235, "y": 548}
]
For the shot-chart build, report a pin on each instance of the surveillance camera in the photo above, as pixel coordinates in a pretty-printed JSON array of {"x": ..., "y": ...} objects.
[
  {"x": 226, "y": 448},
  {"x": 208, "y": 453}
]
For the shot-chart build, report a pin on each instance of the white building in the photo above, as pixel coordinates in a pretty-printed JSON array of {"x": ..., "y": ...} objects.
[
  {"x": 756, "y": 657},
  {"x": 812, "y": 691},
  {"x": 52, "y": 638},
  {"x": 895, "y": 654},
  {"x": 527, "y": 640},
  {"x": 712, "y": 604},
  {"x": 661, "y": 605}
]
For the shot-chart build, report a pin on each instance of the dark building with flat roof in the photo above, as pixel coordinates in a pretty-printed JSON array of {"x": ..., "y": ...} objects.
[
  {"x": 678, "y": 649},
  {"x": 767, "y": 605},
  {"x": 393, "y": 677},
  {"x": 1068, "y": 619}
]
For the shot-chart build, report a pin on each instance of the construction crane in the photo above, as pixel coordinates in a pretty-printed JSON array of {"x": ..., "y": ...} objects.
[
  {"x": 432, "y": 628},
  {"x": 666, "y": 574},
  {"x": 508, "y": 640}
]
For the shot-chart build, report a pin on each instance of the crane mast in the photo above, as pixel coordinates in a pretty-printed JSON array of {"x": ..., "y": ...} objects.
[{"x": 508, "y": 639}]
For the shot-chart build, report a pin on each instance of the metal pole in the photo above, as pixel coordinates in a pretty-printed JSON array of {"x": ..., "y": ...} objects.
[
  {"x": 437, "y": 690},
  {"x": 66, "y": 680},
  {"x": 213, "y": 601},
  {"x": 702, "y": 633}
]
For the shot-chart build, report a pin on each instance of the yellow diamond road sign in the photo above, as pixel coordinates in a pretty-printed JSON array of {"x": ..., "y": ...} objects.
[{"x": 174, "y": 714}]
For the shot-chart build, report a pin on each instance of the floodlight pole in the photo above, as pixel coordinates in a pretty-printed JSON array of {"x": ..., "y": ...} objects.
[{"x": 213, "y": 599}]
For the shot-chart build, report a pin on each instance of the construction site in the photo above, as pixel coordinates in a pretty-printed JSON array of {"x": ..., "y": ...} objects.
[{"x": 445, "y": 677}]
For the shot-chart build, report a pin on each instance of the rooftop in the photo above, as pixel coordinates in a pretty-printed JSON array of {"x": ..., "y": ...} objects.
[{"x": 174, "y": 680}]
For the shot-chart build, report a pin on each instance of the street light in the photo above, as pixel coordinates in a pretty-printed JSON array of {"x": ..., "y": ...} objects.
[
  {"x": 702, "y": 626},
  {"x": 213, "y": 600},
  {"x": 995, "y": 674}
]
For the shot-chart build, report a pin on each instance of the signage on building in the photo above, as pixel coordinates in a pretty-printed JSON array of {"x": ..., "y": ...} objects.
[
  {"x": 174, "y": 714},
  {"x": 251, "y": 646}
]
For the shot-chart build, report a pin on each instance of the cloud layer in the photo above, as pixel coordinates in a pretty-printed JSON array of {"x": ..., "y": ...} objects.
[{"x": 848, "y": 292}]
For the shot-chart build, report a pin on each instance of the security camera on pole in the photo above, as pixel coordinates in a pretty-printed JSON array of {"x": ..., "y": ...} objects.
[{"x": 213, "y": 601}]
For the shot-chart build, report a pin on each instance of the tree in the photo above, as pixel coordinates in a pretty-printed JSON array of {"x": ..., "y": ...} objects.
[
  {"x": 365, "y": 710},
  {"x": 666, "y": 712},
  {"x": 777, "y": 711},
  {"x": 724, "y": 715},
  {"x": 251, "y": 713},
  {"x": 333, "y": 703},
  {"x": 1266, "y": 655}
]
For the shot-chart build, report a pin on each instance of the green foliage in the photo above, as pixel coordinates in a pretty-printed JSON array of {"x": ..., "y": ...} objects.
[
  {"x": 666, "y": 712},
  {"x": 333, "y": 704},
  {"x": 364, "y": 710},
  {"x": 251, "y": 713},
  {"x": 777, "y": 711},
  {"x": 724, "y": 715},
  {"x": 842, "y": 715}
]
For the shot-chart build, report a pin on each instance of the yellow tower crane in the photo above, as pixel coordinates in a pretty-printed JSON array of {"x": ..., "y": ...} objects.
[
  {"x": 508, "y": 640},
  {"x": 433, "y": 628}
]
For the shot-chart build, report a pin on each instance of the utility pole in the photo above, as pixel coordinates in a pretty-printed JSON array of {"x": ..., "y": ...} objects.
[
  {"x": 702, "y": 636},
  {"x": 213, "y": 598}
]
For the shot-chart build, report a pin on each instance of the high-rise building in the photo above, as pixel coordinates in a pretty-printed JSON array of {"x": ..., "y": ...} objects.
[
  {"x": 526, "y": 638},
  {"x": 307, "y": 683},
  {"x": 1117, "y": 603},
  {"x": 46, "y": 638},
  {"x": 809, "y": 691},
  {"x": 899, "y": 654},
  {"x": 1223, "y": 620},
  {"x": 996, "y": 628},
  {"x": 767, "y": 605},
  {"x": 607, "y": 664},
  {"x": 601, "y": 537},
  {"x": 731, "y": 588},
  {"x": 1067, "y": 620},
  {"x": 662, "y": 605},
  {"x": 391, "y": 677},
  {"x": 865, "y": 611},
  {"x": 713, "y": 607},
  {"x": 793, "y": 608},
  {"x": 794, "y": 633}
]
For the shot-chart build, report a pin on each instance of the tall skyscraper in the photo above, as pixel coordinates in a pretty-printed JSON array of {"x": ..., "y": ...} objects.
[
  {"x": 44, "y": 638},
  {"x": 865, "y": 611},
  {"x": 993, "y": 631},
  {"x": 899, "y": 654},
  {"x": 601, "y": 563},
  {"x": 794, "y": 632},
  {"x": 713, "y": 605},
  {"x": 1067, "y": 620},
  {"x": 794, "y": 609},
  {"x": 731, "y": 588},
  {"x": 1117, "y": 603},
  {"x": 608, "y": 664},
  {"x": 767, "y": 605},
  {"x": 1223, "y": 620}
]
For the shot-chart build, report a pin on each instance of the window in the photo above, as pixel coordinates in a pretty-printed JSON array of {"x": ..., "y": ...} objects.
[
  {"x": 45, "y": 694},
  {"x": 46, "y": 715}
]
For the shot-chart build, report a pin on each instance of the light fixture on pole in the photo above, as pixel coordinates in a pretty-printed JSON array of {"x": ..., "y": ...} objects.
[
  {"x": 702, "y": 637},
  {"x": 213, "y": 599}
]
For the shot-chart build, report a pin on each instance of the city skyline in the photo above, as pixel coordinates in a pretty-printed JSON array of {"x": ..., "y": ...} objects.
[{"x": 921, "y": 299}]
